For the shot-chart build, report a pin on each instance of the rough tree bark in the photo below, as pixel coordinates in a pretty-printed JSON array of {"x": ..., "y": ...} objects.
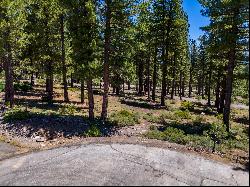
[
  {"x": 8, "y": 67},
  {"x": 140, "y": 76},
  {"x": 173, "y": 81},
  {"x": 49, "y": 82},
  {"x": 217, "y": 92},
  {"x": 230, "y": 70},
  {"x": 148, "y": 78},
  {"x": 90, "y": 99},
  {"x": 82, "y": 90},
  {"x": 64, "y": 68},
  {"x": 222, "y": 96},
  {"x": 106, "y": 60},
  {"x": 181, "y": 82},
  {"x": 154, "y": 75},
  {"x": 190, "y": 81},
  {"x": 209, "y": 88},
  {"x": 71, "y": 81}
]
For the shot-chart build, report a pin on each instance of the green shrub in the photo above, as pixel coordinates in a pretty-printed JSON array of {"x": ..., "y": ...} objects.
[
  {"x": 16, "y": 114},
  {"x": 1, "y": 86},
  {"x": 175, "y": 135},
  {"x": 217, "y": 130},
  {"x": 167, "y": 115},
  {"x": 187, "y": 105},
  {"x": 182, "y": 114},
  {"x": 151, "y": 118},
  {"x": 155, "y": 134},
  {"x": 152, "y": 127},
  {"x": 67, "y": 109},
  {"x": 217, "y": 133},
  {"x": 93, "y": 131},
  {"x": 238, "y": 144},
  {"x": 199, "y": 98},
  {"x": 198, "y": 119},
  {"x": 197, "y": 141},
  {"x": 24, "y": 86},
  {"x": 219, "y": 116},
  {"x": 124, "y": 118},
  {"x": 208, "y": 109},
  {"x": 211, "y": 137}
]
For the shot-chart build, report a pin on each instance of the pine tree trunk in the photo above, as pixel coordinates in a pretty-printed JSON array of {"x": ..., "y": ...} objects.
[
  {"x": 148, "y": 78},
  {"x": 8, "y": 67},
  {"x": 209, "y": 89},
  {"x": 64, "y": 69},
  {"x": 117, "y": 90},
  {"x": 90, "y": 99},
  {"x": 154, "y": 75},
  {"x": 106, "y": 60},
  {"x": 173, "y": 75},
  {"x": 50, "y": 82},
  {"x": 199, "y": 86},
  {"x": 71, "y": 81},
  {"x": 180, "y": 92},
  {"x": 222, "y": 96},
  {"x": 140, "y": 76},
  {"x": 217, "y": 93},
  {"x": 202, "y": 80},
  {"x": 47, "y": 84},
  {"x": 190, "y": 82},
  {"x": 82, "y": 90},
  {"x": 228, "y": 89},
  {"x": 164, "y": 74},
  {"x": 32, "y": 79},
  {"x": 183, "y": 87},
  {"x": 168, "y": 87},
  {"x": 129, "y": 86},
  {"x": 230, "y": 70}
]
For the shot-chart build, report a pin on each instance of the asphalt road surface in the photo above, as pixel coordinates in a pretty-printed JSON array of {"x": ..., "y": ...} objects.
[
  {"x": 6, "y": 150},
  {"x": 116, "y": 164}
]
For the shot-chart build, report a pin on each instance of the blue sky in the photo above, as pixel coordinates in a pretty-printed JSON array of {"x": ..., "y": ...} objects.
[{"x": 196, "y": 20}]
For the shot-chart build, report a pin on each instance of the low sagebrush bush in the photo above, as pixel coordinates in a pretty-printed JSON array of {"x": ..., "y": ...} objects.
[
  {"x": 151, "y": 118},
  {"x": 198, "y": 119},
  {"x": 167, "y": 116},
  {"x": 182, "y": 114},
  {"x": 152, "y": 127},
  {"x": 187, "y": 105},
  {"x": 16, "y": 114},
  {"x": 175, "y": 135},
  {"x": 93, "y": 131},
  {"x": 124, "y": 118},
  {"x": 155, "y": 134},
  {"x": 67, "y": 109}
]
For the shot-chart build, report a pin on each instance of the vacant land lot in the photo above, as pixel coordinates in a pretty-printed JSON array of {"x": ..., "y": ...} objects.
[{"x": 183, "y": 125}]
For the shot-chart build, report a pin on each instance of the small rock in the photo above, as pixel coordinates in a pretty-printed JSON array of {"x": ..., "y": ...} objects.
[{"x": 40, "y": 139}]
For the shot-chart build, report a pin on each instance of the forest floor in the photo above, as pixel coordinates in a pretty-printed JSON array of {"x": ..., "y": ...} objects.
[{"x": 33, "y": 125}]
